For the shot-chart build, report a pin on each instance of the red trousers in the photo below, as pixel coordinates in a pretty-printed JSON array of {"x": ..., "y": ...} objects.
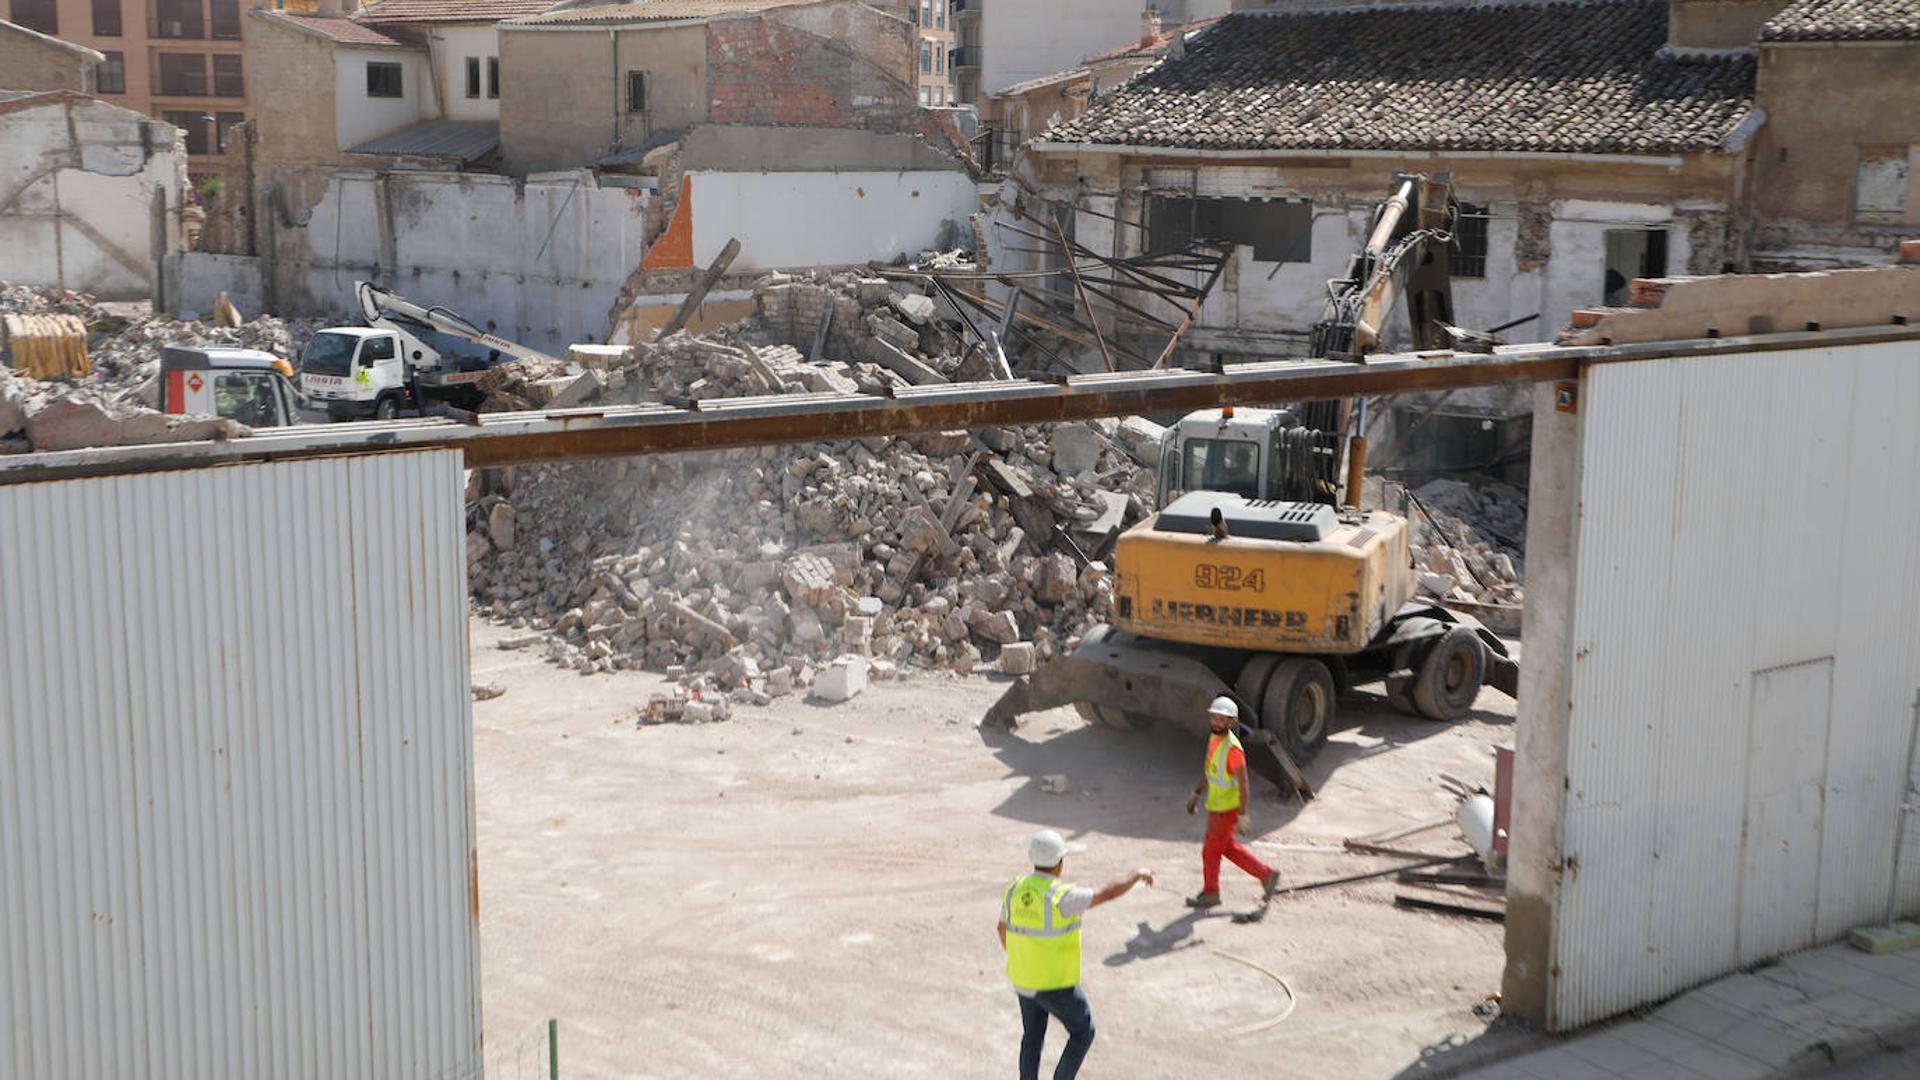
[{"x": 1221, "y": 841}]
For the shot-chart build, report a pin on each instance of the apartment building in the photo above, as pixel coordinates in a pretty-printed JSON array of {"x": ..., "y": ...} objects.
[
  {"x": 933, "y": 21},
  {"x": 182, "y": 61}
]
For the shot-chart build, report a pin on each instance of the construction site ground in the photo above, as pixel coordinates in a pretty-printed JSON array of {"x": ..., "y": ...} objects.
[{"x": 811, "y": 890}]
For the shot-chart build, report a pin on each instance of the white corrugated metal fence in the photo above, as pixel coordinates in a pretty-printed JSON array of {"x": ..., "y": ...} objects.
[{"x": 236, "y": 818}]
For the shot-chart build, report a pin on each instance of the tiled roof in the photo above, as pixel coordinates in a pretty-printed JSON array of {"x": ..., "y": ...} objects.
[
  {"x": 653, "y": 11},
  {"x": 1042, "y": 82},
  {"x": 1845, "y": 20},
  {"x": 1165, "y": 38},
  {"x": 344, "y": 31},
  {"x": 433, "y": 11},
  {"x": 1559, "y": 77}
]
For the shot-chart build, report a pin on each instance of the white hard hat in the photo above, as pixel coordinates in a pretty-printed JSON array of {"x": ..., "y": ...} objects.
[
  {"x": 1046, "y": 849},
  {"x": 1224, "y": 706}
]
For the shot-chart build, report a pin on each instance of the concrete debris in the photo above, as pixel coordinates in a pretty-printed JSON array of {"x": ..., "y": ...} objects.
[
  {"x": 488, "y": 691},
  {"x": 1054, "y": 783},
  {"x": 1472, "y": 534},
  {"x": 678, "y": 706},
  {"x": 840, "y": 680}
]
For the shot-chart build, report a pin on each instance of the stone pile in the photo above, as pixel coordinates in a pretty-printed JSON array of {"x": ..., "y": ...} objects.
[
  {"x": 1470, "y": 540},
  {"x": 751, "y": 571}
]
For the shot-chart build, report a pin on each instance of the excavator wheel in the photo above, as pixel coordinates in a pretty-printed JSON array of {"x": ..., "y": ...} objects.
[
  {"x": 1298, "y": 705},
  {"x": 1118, "y": 719},
  {"x": 1251, "y": 685},
  {"x": 1450, "y": 675}
]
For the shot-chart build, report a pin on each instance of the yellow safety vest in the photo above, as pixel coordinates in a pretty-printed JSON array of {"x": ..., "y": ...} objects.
[
  {"x": 1222, "y": 792},
  {"x": 1043, "y": 943}
]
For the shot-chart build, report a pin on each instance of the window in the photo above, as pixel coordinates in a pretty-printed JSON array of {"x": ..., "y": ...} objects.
[
  {"x": 1467, "y": 258},
  {"x": 926, "y": 12},
  {"x": 1632, "y": 253},
  {"x": 182, "y": 75},
  {"x": 383, "y": 79},
  {"x": 493, "y": 77},
  {"x": 195, "y": 127},
  {"x": 1220, "y": 465},
  {"x": 106, "y": 18},
  {"x": 1278, "y": 230},
  {"x": 939, "y": 61},
  {"x": 41, "y": 15},
  {"x": 228, "y": 79},
  {"x": 225, "y": 123},
  {"x": 926, "y": 95},
  {"x": 926, "y": 55},
  {"x": 940, "y": 14},
  {"x": 112, "y": 74},
  {"x": 178, "y": 19},
  {"x": 247, "y": 396},
  {"x": 473, "y": 76},
  {"x": 1880, "y": 186},
  {"x": 225, "y": 23},
  {"x": 636, "y": 91},
  {"x": 377, "y": 348}
]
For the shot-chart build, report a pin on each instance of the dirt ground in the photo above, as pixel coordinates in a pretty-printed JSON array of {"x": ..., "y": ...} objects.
[{"x": 811, "y": 891}]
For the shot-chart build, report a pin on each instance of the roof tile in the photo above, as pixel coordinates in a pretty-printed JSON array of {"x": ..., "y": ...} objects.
[
  {"x": 1845, "y": 20},
  {"x": 1554, "y": 77},
  {"x": 653, "y": 11},
  {"x": 344, "y": 31},
  {"x": 426, "y": 11}
]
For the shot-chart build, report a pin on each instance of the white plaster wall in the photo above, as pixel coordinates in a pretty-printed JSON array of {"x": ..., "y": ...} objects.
[
  {"x": 361, "y": 117},
  {"x": 88, "y": 227},
  {"x": 794, "y": 219},
  {"x": 543, "y": 261},
  {"x": 454, "y": 45},
  {"x": 1025, "y": 39}
]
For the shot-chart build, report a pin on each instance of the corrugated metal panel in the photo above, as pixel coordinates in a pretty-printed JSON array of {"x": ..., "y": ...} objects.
[
  {"x": 1744, "y": 521},
  {"x": 467, "y": 140},
  {"x": 236, "y": 820}
]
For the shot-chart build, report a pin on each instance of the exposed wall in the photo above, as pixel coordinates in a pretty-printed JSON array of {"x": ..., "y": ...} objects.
[
  {"x": 89, "y": 195},
  {"x": 570, "y": 107},
  {"x": 1546, "y": 250},
  {"x": 1718, "y": 24},
  {"x": 195, "y": 279},
  {"x": 292, "y": 84},
  {"x": 452, "y": 46},
  {"x": 885, "y": 40},
  {"x": 239, "y": 838},
  {"x": 792, "y": 219},
  {"x": 34, "y": 61},
  {"x": 1807, "y": 156},
  {"x": 359, "y": 116},
  {"x": 1022, "y": 40},
  {"x": 541, "y": 260},
  {"x": 790, "y": 66},
  {"x": 718, "y": 148},
  {"x": 1712, "y": 772}
]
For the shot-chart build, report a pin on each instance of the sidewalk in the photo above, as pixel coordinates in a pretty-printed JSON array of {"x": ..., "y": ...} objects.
[{"x": 1802, "y": 1016}]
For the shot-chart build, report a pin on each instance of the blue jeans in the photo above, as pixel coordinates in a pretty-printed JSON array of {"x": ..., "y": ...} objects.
[{"x": 1070, "y": 1006}]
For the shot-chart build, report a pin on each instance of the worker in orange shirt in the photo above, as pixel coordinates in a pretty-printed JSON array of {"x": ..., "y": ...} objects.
[{"x": 1224, "y": 786}]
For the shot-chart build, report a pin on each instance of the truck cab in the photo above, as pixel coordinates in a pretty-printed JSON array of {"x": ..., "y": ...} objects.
[
  {"x": 243, "y": 385},
  {"x": 1253, "y": 453},
  {"x": 361, "y": 371}
]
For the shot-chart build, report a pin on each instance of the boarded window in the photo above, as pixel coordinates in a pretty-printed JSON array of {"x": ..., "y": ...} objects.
[
  {"x": 1467, "y": 258},
  {"x": 473, "y": 76},
  {"x": 182, "y": 75},
  {"x": 178, "y": 19},
  {"x": 383, "y": 79},
  {"x": 493, "y": 76},
  {"x": 1880, "y": 185},
  {"x": 41, "y": 15},
  {"x": 112, "y": 74},
  {"x": 1277, "y": 230},
  {"x": 106, "y": 18},
  {"x": 636, "y": 91},
  {"x": 228, "y": 78},
  {"x": 226, "y": 19}
]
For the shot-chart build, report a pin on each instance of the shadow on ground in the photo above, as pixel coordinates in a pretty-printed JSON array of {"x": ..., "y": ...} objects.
[{"x": 1504, "y": 1038}]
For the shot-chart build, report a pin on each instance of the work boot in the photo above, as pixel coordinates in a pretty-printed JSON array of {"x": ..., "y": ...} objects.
[
  {"x": 1204, "y": 901},
  {"x": 1268, "y": 886}
]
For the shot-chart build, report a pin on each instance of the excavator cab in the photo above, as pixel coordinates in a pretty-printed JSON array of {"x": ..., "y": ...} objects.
[{"x": 1251, "y": 452}]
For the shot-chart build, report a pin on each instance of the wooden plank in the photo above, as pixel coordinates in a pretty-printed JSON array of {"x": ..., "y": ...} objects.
[{"x": 700, "y": 290}]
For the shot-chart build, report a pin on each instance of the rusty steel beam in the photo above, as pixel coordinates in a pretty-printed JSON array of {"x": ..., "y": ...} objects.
[{"x": 722, "y": 423}]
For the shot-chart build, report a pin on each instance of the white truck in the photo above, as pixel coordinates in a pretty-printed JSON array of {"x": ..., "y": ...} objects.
[{"x": 384, "y": 369}]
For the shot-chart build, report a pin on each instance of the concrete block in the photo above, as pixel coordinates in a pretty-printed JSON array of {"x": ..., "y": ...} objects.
[
  {"x": 1076, "y": 448},
  {"x": 500, "y": 526},
  {"x": 840, "y": 680},
  {"x": 597, "y": 357},
  {"x": 1141, "y": 439},
  {"x": 1017, "y": 658},
  {"x": 916, "y": 308},
  {"x": 1885, "y": 939},
  {"x": 998, "y": 627},
  {"x": 581, "y": 390}
]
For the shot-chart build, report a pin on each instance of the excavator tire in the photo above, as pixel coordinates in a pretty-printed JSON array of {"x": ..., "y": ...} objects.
[
  {"x": 1251, "y": 684},
  {"x": 1450, "y": 675},
  {"x": 1298, "y": 705}
]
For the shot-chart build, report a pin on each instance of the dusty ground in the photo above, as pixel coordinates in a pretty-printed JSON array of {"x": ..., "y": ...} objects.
[{"x": 811, "y": 891}]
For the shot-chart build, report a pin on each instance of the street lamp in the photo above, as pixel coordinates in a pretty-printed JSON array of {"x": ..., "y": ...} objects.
[{"x": 213, "y": 133}]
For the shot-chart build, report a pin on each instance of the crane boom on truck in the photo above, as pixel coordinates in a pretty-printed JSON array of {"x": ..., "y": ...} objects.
[
  {"x": 385, "y": 367},
  {"x": 1260, "y": 578}
]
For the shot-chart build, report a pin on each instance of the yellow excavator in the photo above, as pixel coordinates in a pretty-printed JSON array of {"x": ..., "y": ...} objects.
[{"x": 1260, "y": 578}]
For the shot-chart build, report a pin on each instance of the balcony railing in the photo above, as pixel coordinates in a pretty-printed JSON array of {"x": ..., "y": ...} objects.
[{"x": 964, "y": 57}]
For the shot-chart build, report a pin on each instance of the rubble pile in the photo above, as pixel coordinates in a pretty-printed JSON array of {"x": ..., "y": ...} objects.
[
  {"x": 115, "y": 404},
  {"x": 1477, "y": 552},
  {"x": 751, "y": 571}
]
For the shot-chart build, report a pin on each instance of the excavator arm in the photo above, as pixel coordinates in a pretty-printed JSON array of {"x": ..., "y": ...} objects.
[
  {"x": 1405, "y": 254},
  {"x": 380, "y": 307}
]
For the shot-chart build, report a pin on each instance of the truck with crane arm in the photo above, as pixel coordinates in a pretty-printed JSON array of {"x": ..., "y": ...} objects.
[{"x": 387, "y": 369}]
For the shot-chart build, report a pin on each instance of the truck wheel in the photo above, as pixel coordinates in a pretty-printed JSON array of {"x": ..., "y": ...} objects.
[
  {"x": 1251, "y": 684},
  {"x": 1450, "y": 675},
  {"x": 1298, "y": 705},
  {"x": 386, "y": 408}
]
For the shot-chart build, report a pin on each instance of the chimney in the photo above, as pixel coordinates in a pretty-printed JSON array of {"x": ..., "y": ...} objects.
[
  {"x": 1718, "y": 24},
  {"x": 332, "y": 8},
  {"x": 1149, "y": 28}
]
